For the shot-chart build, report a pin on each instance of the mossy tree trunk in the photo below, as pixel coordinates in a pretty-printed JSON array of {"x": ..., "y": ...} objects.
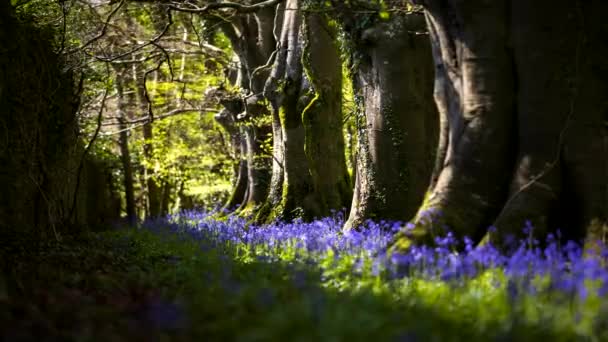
[
  {"x": 322, "y": 118},
  {"x": 251, "y": 36},
  {"x": 521, "y": 87},
  {"x": 397, "y": 121},
  {"x": 304, "y": 90},
  {"x": 275, "y": 191}
]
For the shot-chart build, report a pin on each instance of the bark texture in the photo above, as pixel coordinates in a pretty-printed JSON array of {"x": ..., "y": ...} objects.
[
  {"x": 304, "y": 90},
  {"x": 227, "y": 120},
  {"x": 252, "y": 39},
  {"x": 323, "y": 117},
  {"x": 396, "y": 120},
  {"x": 521, "y": 88}
]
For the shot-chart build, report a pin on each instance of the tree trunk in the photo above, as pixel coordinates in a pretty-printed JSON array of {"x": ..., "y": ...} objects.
[
  {"x": 275, "y": 190},
  {"x": 239, "y": 180},
  {"x": 253, "y": 41},
  {"x": 153, "y": 190},
  {"x": 521, "y": 86},
  {"x": 396, "y": 120},
  {"x": 268, "y": 210},
  {"x": 165, "y": 202},
  {"x": 304, "y": 90},
  {"x": 258, "y": 166},
  {"x": 287, "y": 102},
  {"x": 322, "y": 117},
  {"x": 125, "y": 156}
]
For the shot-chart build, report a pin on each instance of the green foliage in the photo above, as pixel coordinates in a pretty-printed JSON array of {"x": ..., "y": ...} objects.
[
  {"x": 349, "y": 110},
  {"x": 187, "y": 151}
]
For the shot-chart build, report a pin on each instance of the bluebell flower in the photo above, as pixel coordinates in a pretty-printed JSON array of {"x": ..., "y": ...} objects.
[{"x": 565, "y": 265}]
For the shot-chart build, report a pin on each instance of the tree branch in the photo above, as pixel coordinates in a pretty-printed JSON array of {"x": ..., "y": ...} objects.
[
  {"x": 153, "y": 41},
  {"x": 89, "y": 145},
  {"x": 143, "y": 121},
  {"x": 104, "y": 29},
  {"x": 241, "y": 8}
]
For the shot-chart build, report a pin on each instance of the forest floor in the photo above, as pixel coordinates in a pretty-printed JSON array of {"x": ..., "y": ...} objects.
[{"x": 198, "y": 279}]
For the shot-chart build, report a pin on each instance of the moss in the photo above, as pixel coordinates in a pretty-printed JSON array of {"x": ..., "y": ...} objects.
[
  {"x": 220, "y": 216},
  {"x": 263, "y": 214},
  {"x": 282, "y": 114},
  {"x": 269, "y": 212},
  {"x": 247, "y": 211}
]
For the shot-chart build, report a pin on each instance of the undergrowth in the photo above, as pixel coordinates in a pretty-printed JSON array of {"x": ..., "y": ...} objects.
[{"x": 191, "y": 278}]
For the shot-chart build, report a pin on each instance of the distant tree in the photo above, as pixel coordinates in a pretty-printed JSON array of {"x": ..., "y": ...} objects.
[{"x": 125, "y": 155}]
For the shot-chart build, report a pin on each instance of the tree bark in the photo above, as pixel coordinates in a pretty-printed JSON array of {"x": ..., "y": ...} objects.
[
  {"x": 165, "y": 203},
  {"x": 253, "y": 41},
  {"x": 396, "y": 120},
  {"x": 521, "y": 88},
  {"x": 239, "y": 180},
  {"x": 322, "y": 118},
  {"x": 284, "y": 90},
  {"x": 125, "y": 156},
  {"x": 153, "y": 190},
  {"x": 258, "y": 166},
  {"x": 304, "y": 90}
]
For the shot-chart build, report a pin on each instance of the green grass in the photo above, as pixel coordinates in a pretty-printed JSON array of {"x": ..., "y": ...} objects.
[{"x": 104, "y": 287}]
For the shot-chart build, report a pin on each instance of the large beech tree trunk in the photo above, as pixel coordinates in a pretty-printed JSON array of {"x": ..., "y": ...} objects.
[
  {"x": 275, "y": 192},
  {"x": 521, "y": 87},
  {"x": 396, "y": 120},
  {"x": 322, "y": 118},
  {"x": 304, "y": 90}
]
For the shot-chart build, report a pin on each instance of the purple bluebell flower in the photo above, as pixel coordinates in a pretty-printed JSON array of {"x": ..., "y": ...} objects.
[{"x": 565, "y": 265}]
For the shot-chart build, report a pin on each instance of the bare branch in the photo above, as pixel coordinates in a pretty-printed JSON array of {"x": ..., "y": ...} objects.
[
  {"x": 153, "y": 41},
  {"x": 143, "y": 121},
  {"x": 104, "y": 28},
  {"x": 241, "y": 8},
  {"x": 273, "y": 55},
  {"x": 90, "y": 144}
]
